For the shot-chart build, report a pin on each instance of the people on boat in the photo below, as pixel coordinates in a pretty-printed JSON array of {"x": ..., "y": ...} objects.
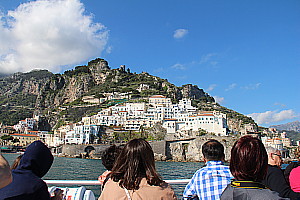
[
  {"x": 209, "y": 181},
  {"x": 289, "y": 168},
  {"x": 294, "y": 178},
  {"x": 27, "y": 181},
  {"x": 275, "y": 179},
  {"x": 248, "y": 165},
  {"x": 108, "y": 159},
  {"x": 134, "y": 176},
  {"x": 5, "y": 173}
]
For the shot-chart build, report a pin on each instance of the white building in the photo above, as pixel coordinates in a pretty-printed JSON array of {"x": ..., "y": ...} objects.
[
  {"x": 171, "y": 125},
  {"x": 175, "y": 117},
  {"x": 159, "y": 100},
  {"x": 273, "y": 142},
  {"x": 82, "y": 134},
  {"x": 213, "y": 122},
  {"x": 26, "y": 124},
  {"x": 72, "y": 138}
]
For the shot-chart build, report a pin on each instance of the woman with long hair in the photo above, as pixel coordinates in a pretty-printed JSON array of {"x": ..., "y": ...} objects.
[
  {"x": 248, "y": 165},
  {"x": 134, "y": 175}
]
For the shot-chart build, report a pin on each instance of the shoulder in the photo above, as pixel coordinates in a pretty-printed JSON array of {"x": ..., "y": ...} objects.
[
  {"x": 264, "y": 194},
  {"x": 252, "y": 194},
  {"x": 164, "y": 191},
  {"x": 273, "y": 168},
  {"x": 275, "y": 171},
  {"x": 112, "y": 190}
]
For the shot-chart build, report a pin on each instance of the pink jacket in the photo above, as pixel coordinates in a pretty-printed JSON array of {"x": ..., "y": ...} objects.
[{"x": 295, "y": 179}]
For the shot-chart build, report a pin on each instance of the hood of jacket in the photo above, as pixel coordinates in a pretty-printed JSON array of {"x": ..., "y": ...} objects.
[{"x": 37, "y": 159}]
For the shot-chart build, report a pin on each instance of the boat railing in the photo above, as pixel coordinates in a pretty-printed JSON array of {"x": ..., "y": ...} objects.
[{"x": 96, "y": 182}]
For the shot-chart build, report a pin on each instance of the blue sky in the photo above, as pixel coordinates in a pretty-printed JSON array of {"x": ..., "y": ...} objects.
[{"x": 244, "y": 53}]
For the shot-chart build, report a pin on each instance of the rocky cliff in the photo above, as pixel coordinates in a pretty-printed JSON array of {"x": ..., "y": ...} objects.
[
  {"x": 292, "y": 126},
  {"x": 58, "y": 97},
  {"x": 190, "y": 150}
]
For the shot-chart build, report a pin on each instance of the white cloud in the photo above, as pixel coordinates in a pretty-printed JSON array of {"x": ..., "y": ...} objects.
[
  {"x": 211, "y": 87},
  {"x": 279, "y": 104},
  {"x": 109, "y": 49},
  {"x": 214, "y": 63},
  {"x": 178, "y": 66},
  {"x": 231, "y": 87},
  {"x": 273, "y": 116},
  {"x": 180, "y": 33},
  {"x": 251, "y": 86},
  {"x": 49, "y": 34},
  {"x": 206, "y": 58},
  {"x": 219, "y": 99}
]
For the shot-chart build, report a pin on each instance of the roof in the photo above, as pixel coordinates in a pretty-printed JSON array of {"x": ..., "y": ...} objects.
[
  {"x": 157, "y": 96},
  {"x": 205, "y": 115},
  {"x": 170, "y": 119},
  {"x": 24, "y": 135}
]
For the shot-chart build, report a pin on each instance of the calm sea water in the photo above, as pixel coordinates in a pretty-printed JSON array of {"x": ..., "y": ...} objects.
[{"x": 84, "y": 169}]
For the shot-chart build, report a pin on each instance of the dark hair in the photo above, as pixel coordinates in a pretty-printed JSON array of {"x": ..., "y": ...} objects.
[
  {"x": 135, "y": 162},
  {"x": 288, "y": 170},
  {"x": 16, "y": 162},
  {"x": 249, "y": 159},
  {"x": 213, "y": 150},
  {"x": 109, "y": 156}
]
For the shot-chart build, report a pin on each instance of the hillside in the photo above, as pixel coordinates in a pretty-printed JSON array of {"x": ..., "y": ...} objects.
[
  {"x": 292, "y": 129},
  {"x": 292, "y": 126},
  {"x": 58, "y": 97}
]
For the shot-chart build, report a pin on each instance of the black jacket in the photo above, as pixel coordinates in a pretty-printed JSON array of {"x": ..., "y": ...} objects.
[
  {"x": 27, "y": 183},
  {"x": 275, "y": 181}
]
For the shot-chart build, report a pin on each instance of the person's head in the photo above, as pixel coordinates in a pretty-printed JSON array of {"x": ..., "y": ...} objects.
[
  {"x": 110, "y": 155},
  {"x": 16, "y": 162},
  {"x": 5, "y": 173},
  {"x": 213, "y": 150},
  {"x": 37, "y": 158},
  {"x": 249, "y": 159},
  {"x": 136, "y": 161},
  {"x": 274, "y": 156}
]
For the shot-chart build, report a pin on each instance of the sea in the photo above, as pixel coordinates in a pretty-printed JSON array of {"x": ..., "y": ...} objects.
[{"x": 87, "y": 169}]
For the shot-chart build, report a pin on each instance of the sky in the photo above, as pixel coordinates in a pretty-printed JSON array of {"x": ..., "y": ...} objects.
[{"x": 246, "y": 54}]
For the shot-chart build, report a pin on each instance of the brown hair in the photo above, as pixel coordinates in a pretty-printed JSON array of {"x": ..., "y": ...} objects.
[
  {"x": 213, "y": 150},
  {"x": 135, "y": 162},
  {"x": 16, "y": 162},
  {"x": 249, "y": 159},
  {"x": 110, "y": 155}
]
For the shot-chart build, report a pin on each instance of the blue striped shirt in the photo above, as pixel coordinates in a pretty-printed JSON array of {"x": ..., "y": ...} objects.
[{"x": 209, "y": 182}]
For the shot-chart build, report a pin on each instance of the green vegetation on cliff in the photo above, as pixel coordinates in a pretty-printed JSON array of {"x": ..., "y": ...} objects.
[{"x": 58, "y": 97}]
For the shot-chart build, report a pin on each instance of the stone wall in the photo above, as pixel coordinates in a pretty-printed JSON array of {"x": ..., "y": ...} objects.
[
  {"x": 159, "y": 147},
  {"x": 191, "y": 150},
  {"x": 74, "y": 150},
  {"x": 176, "y": 150}
]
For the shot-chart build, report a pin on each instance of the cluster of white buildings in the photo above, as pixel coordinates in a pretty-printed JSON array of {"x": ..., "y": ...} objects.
[
  {"x": 25, "y": 125},
  {"x": 276, "y": 139},
  {"x": 134, "y": 116},
  {"x": 181, "y": 117}
]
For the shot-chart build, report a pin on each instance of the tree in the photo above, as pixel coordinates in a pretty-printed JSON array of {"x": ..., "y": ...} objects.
[
  {"x": 15, "y": 140},
  {"x": 6, "y": 138}
]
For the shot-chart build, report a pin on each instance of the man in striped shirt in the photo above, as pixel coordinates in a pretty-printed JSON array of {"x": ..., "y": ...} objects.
[{"x": 209, "y": 182}]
